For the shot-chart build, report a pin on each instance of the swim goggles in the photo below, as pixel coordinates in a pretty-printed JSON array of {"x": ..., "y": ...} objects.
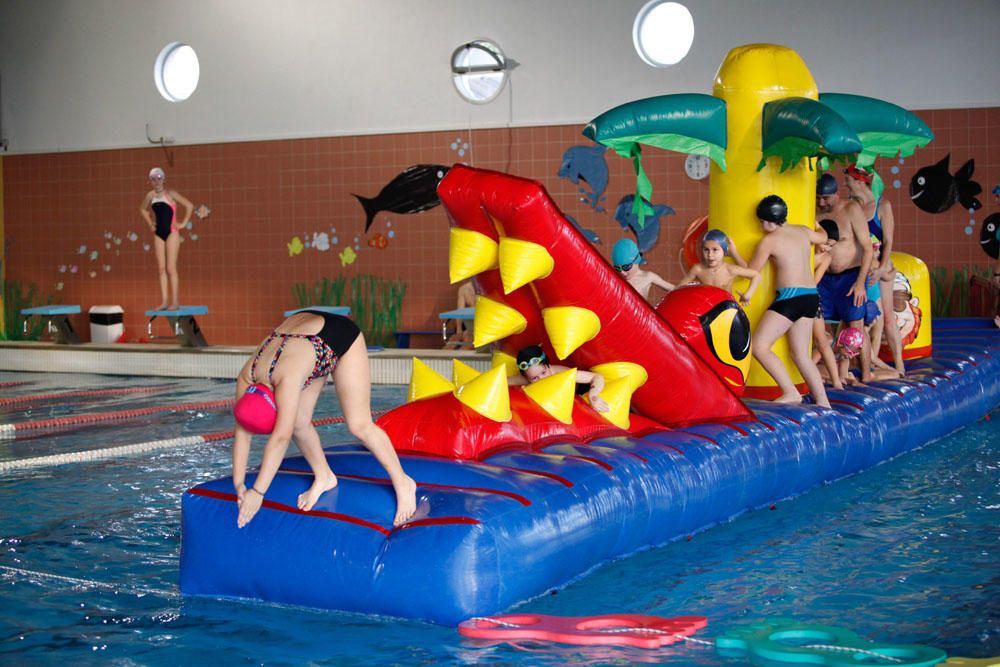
[
  {"x": 622, "y": 268},
  {"x": 534, "y": 361}
]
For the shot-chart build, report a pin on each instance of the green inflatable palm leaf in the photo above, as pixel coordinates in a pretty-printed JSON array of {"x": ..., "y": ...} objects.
[
  {"x": 798, "y": 127},
  {"x": 885, "y": 129},
  {"x": 690, "y": 123}
]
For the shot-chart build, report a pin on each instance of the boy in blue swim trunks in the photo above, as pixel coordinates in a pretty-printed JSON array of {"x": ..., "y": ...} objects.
[{"x": 795, "y": 305}]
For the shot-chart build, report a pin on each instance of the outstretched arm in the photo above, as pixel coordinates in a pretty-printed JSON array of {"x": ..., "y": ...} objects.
[
  {"x": 692, "y": 276},
  {"x": 655, "y": 279},
  {"x": 754, "y": 277},
  {"x": 596, "y": 381},
  {"x": 144, "y": 211},
  {"x": 286, "y": 395}
]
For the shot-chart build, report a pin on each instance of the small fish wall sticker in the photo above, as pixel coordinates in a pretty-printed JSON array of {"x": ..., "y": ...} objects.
[
  {"x": 347, "y": 256},
  {"x": 934, "y": 189},
  {"x": 648, "y": 234},
  {"x": 295, "y": 246},
  {"x": 379, "y": 241},
  {"x": 412, "y": 191},
  {"x": 587, "y": 164}
]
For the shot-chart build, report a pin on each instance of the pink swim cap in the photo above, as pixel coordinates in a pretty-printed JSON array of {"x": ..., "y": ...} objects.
[
  {"x": 256, "y": 411},
  {"x": 851, "y": 340}
]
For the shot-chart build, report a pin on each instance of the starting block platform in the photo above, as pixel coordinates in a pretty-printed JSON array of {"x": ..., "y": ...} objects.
[
  {"x": 186, "y": 329},
  {"x": 56, "y": 321},
  {"x": 466, "y": 314},
  {"x": 332, "y": 310}
]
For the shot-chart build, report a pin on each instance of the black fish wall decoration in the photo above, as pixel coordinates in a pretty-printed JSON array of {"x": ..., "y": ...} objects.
[
  {"x": 935, "y": 190},
  {"x": 989, "y": 236},
  {"x": 412, "y": 191}
]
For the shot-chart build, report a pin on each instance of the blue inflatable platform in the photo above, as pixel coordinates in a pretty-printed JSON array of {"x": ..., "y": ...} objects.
[{"x": 492, "y": 534}]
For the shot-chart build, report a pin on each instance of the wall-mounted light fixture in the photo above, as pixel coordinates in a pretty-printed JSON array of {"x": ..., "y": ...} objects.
[{"x": 479, "y": 70}]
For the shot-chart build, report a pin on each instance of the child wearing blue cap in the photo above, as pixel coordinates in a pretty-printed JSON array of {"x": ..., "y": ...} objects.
[{"x": 625, "y": 258}]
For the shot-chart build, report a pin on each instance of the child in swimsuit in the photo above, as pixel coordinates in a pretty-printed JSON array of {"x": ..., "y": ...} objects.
[
  {"x": 298, "y": 356},
  {"x": 159, "y": 210},
  {"x": 714, "y": 271},
  {"x": 534, "y": 365},
  {"x": 796, "y": 302}
]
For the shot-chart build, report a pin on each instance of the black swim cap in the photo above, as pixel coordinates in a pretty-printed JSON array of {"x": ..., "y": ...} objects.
[
  {"x": 831, "y": 229},
  {"x": 826, "y": 185},
  {"x": 772, "y": 208}
]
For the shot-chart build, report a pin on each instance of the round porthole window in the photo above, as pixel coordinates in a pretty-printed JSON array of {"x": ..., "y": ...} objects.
[
  {"x": 176, "y": 72},
  {"x": 663, "y": 33},
  {"x": 479, "y": 71}
]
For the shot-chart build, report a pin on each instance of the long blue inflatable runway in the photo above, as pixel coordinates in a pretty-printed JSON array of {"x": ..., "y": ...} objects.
[{"x": 491, "y": 534}]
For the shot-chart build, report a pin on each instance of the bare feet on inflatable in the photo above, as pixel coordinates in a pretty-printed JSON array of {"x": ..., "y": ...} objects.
[
  {"x": 788, "y": 398},
  {"x": 406, "y": 500},
  {"x": 174, "y": 306},
  {"x": 319, "y": 486},
  {"x": 162, "y": 306}
]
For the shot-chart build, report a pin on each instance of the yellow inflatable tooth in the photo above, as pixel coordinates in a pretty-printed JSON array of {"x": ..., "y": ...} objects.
[
  {"x": 618, "y": 395},
  {"x": 469, "y": 253},
  {"x": 488, "y": 395},
  {"x": 555, "y": 394},
  {"x": 495, "y": 320},
  {"x": 461, "y": 373},
  {"x": 615, "y": 370},
  {"x": 425, "y": 382},
  {"x": 505, "y": 360},
  {"x": 521, "y": 262},
  {"x": 569, "y": 327}
]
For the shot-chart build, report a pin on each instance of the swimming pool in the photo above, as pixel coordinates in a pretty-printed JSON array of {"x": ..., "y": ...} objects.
[{"x": 906, "y": 552}]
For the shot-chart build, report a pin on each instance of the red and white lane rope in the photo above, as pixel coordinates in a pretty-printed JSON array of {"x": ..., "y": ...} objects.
[
  {"x": 11, "y": 430},
  {"x": 138, "y": 448},
  {"x": 14, "y": 383},
  {"x": 14, "y": 400}
]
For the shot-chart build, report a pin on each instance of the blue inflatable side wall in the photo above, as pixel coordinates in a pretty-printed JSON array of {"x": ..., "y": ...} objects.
[{"x": 490, "y": 535}]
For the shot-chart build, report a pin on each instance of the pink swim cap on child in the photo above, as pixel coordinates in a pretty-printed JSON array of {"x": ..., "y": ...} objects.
[
  {"x": 256, "y": 411},
  {"x": 851, "y": 340}
]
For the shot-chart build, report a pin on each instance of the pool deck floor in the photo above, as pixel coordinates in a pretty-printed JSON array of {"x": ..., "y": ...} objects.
[{"x": 389, "y": 365}]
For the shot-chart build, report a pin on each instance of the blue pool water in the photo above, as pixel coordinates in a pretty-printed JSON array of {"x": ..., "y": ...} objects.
[{"x": 906, "y": 552}]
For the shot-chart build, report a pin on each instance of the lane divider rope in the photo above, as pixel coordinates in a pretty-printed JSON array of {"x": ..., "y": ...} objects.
[
  {"x": 10, "y": 430},
  {"x": 138, "y": 448},
  {"x": 73, "y": 394}
]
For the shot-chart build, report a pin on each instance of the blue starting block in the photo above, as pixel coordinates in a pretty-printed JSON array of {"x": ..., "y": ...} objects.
[
  {"x": 331, "y": 310},
  {"x": 466, "y": 314},
  {"x": 186, "y": 329},
  {"x": 56, "y": 321}
]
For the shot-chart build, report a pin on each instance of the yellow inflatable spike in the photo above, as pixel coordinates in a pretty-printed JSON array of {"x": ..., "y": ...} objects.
[
  {"x": 569, "y": 327},
  {"x": 462, "y": 373},
  {"x": 615, "y": 370},
  {"x": 425, "y": 382},
  {"x": 521, "y": 262},
  {"x": 618, "y": 395},
  {"x": 495, "y": 320},
  {"x": 488, "y": 395},
  {"x": 507, "y": 361},
  {"x": 469, "y": 253},
  {"x": 555, "y": 394}
]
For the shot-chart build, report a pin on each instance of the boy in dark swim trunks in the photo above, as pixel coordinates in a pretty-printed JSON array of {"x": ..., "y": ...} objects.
[
  {"x": 298, "y": 356},
  {"x": 795, "y": 305}
]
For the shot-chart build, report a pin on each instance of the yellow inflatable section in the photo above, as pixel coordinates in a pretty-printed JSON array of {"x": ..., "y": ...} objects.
[
  {"x": 748, "y": 78},
  {"x": 911, "y": 305}
]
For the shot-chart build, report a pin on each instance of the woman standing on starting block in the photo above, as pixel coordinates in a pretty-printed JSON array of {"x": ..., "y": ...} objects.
[
  {"x": 159, "y": 210},
  {"x": 276, "y": 394}
]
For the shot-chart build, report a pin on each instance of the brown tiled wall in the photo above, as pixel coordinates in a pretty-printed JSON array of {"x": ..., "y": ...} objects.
[{"x": 261, "y": 194}]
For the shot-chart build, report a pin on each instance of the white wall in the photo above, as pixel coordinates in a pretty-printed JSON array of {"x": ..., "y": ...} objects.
[{"x": 77, "y": 74}]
